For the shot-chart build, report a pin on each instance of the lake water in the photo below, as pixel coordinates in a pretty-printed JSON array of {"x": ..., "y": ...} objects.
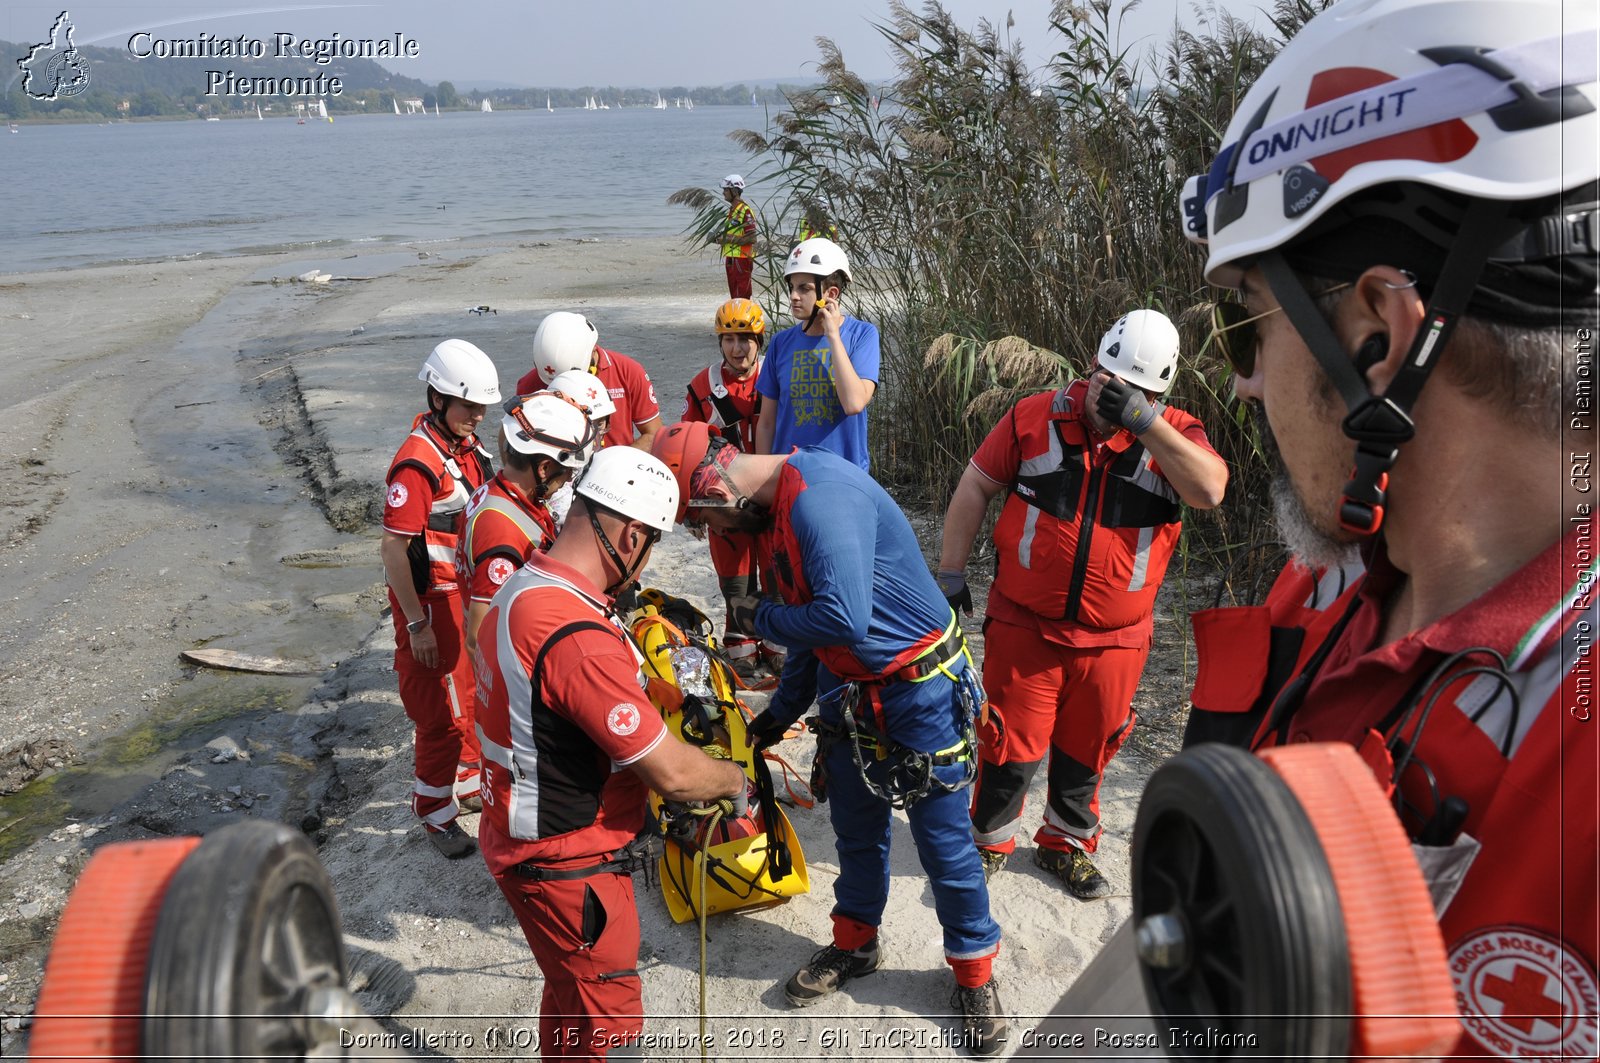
[{"x": 135, "y": 191}]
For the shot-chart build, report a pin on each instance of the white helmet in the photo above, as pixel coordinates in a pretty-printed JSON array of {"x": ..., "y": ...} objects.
[
  {"x": 733, "y": 180},
  {"x": 637, "y": 485},
  {"x": 1491, "y": 99},
  {"x": 563, "y": 341},
  {"x": 458, "y": 368},
  {"x": 585, "y": 389},
  {"x": 548, "y": 424},
  {"x": 817, "y": 255},
  {"x": 1141, "y": 348}
]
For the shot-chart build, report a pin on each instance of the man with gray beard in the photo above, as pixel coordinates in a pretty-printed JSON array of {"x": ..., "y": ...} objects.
[{"x": 1407, "y": 204}]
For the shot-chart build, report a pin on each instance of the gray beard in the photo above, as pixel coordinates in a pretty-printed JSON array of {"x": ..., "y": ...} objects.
[{"x": 1314, "y": 547}]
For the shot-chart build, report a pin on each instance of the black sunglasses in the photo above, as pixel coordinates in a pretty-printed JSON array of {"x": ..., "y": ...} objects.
[{"x": 1234, "y": 335}]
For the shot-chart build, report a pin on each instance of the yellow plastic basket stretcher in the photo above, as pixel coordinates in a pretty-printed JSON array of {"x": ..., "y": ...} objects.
[{"x": 750, "y": 862}]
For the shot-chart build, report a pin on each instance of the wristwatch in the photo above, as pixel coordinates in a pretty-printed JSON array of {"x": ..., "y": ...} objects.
[{"x": 414, "y": 626}]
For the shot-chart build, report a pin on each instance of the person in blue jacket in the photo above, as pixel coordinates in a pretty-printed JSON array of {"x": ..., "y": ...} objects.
[{"x": 872, "y": 640}]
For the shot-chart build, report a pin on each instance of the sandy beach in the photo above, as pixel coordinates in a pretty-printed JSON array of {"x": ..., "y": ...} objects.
[{"x": 196, "y": 460}]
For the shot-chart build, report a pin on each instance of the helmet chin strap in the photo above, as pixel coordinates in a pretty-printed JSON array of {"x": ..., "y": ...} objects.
[
  {"x": 1379, "y": 424},
  {"x": 628, "y": 572}
]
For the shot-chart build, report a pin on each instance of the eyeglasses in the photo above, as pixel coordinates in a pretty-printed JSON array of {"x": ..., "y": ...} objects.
[{"x": 1235, "y": 336}]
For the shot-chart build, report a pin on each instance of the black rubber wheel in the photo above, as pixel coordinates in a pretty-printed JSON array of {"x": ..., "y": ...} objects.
[
  {"x": 1222, "y": 846},
  {"x": 248, "y": 929}
]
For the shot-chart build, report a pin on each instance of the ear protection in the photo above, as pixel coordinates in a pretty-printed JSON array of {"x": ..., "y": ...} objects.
[{"x": 1371, "y": 351}]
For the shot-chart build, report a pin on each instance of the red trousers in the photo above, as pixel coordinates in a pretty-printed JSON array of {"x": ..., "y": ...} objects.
[
  {"x": 740, "y": 272},
  {"x": 439, "y": 702},
  {"x": 1074, "y": 703},
  {"x": 585, "y": 937}
]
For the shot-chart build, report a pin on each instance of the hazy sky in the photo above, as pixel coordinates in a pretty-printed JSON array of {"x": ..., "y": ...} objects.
[{"x": 626, "y": 43}]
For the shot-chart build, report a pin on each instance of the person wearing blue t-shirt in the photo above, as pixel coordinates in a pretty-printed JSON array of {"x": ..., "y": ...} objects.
[{"x": 820, "y": 374}]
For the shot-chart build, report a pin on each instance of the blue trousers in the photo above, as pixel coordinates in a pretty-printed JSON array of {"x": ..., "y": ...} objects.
[{"x": 941, "y": 825}]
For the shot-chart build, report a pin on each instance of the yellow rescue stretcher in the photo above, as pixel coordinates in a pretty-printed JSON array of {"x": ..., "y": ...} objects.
[{"x": 750, "y": 862}]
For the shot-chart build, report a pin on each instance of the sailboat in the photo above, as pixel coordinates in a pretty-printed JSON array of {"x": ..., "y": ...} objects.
[
  {"x": 589, "y": 105},
  {"x": 661, "y": 104},
  {"x": 436, "y": 106},
  {"x": 396, "y": 104},
  {"x": 259, "y": 116},
  {"x": 484, "y": 106},
  {"x": 319, "y": 109},
  {"x": 547, "y": 103},
  {"x": 688, "y": 103}
]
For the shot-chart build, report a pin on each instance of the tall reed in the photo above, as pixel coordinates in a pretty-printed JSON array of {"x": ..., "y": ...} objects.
[{"x": 980, "y": 199}]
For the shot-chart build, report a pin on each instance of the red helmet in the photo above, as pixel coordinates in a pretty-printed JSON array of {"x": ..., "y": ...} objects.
[{"x": 683, "y": 448}]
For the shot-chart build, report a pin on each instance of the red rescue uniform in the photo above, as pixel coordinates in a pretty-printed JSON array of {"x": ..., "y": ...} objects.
[
  {"x": 429, "y": 483},
  {"x": 1083, "y": 542},
  {"x": 1517, "y": 749},
  {"x": 629, "y": 387},
  {"x": 729, "y": 405},
  {"x": 502, "y": 528},
  {"x": 563, "y": 716}
]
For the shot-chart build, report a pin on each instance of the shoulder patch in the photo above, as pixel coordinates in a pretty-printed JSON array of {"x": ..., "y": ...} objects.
[
  {"x": 623, "y": 719},
  {"x": 397, "y": 495},
  {"x": 500, "y": 570}
]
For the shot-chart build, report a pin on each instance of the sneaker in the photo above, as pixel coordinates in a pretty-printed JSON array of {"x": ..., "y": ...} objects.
[
  {"x": 451, "y": 840},
  {"x": 471, "y": 804},
  {"x": 984, "y": 1028},
  {"x": 994, "y": 861},
  {"x": 828, "y": 971},
  {"x": 1076, "y": 872}
]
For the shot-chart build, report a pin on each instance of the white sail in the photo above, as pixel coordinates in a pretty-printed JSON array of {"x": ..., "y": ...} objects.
[
  {"x": 547, "y": 103},
  {"x": 484, "y": 106},
  {"x": 259, "y": 116},
  {"x": 396, "y": 105}
]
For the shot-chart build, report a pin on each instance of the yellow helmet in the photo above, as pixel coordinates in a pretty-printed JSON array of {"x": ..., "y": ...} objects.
[{"x": 741, "y": 315}]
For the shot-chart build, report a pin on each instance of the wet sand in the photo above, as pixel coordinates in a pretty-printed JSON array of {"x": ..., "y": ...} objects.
[{"x": 196, "y": 460}]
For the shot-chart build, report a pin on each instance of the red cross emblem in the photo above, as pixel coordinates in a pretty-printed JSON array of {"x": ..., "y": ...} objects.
[
  {"x": 1524, "y": 998},
  {"x": 623, "y": 719},
  {"x": 397, "y": 495}
]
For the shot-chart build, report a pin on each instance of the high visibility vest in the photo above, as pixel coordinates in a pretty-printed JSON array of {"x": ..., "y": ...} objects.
[
  {"x": 544, "y": 777},
  {"x": 739, "y": 218},
  {"x": 711, "y": 401},
  {"x": 495, "y": 500},
  {"x": 1084, "y": 538},
  {"x": 454, "y": 472}
]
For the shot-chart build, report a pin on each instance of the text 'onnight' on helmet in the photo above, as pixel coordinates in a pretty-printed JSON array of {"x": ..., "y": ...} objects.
[
  {"x": 817, "y": 255},
  {"x": 544, "y": 423},
  {"x": 740, "y": 315},
  {"x": 563, "y": 341},
  {"x": 587, "y": 390},
  {"x": 460, "y": 369},
  {"x": 733, "y": 180},
  {"x": 1141, "y": 348},
  {"x": 1488, "y": 99},
  {"x": 637, "y": 485}
]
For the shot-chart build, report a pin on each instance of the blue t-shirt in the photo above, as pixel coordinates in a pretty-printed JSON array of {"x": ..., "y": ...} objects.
[{"x": 798, "y": 378}]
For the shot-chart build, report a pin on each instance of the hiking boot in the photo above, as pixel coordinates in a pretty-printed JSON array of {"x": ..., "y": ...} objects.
[
  {"x": 994, "y": 861},
  {"x": 984, "y": 1030},
  {"x": 451, "y": 840},
  {"x": 828, "y": 970},
  {"x": 1076, "y": 872},
  {"x": 471, "y": 804},
  {"x": 774, "y": 657}
]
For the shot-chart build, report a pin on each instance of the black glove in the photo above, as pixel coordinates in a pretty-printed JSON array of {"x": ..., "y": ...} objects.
[
  {"x": 953, "y": 585},
  {"x": 765, "y": 731},
  {"x": 1123, "y": 404}
]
